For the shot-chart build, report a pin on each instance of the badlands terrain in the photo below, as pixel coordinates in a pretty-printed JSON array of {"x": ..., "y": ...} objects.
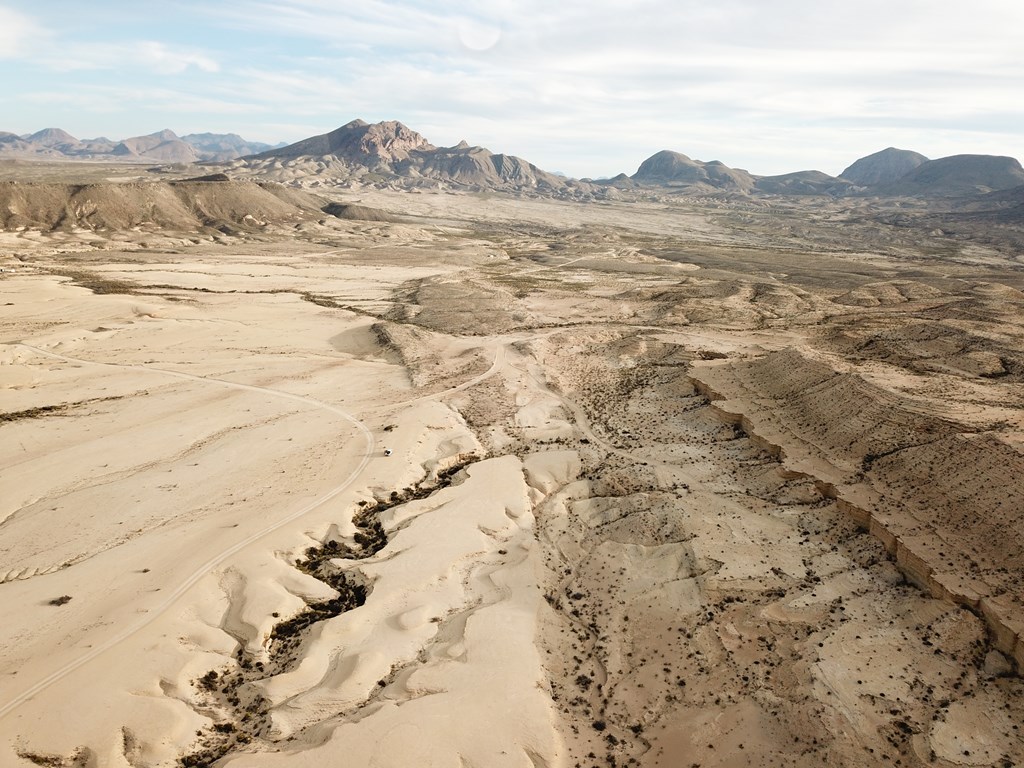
[{"x": 309, "y": 476}]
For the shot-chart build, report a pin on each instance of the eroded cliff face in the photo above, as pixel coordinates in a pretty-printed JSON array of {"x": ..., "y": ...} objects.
[{"x": 938, "y": 494}]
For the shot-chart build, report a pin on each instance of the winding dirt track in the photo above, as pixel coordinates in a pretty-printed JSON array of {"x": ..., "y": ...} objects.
[{"x": 209, "y": 565}]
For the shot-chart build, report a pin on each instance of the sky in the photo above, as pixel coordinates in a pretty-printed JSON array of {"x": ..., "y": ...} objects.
[{"x": 582, "y": 87}]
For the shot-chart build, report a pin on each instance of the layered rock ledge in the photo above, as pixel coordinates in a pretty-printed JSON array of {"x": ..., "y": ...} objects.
[{"x": 939, "y": 495}]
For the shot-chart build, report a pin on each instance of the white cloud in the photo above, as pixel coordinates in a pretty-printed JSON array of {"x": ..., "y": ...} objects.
[
  {"x": 145, "y": 100},
  {"x": 19, "y": 34},
  {"x": 167, "y": 60},
  {"x": 138, "y": 56},
  {"x": 588, "y": 86}
]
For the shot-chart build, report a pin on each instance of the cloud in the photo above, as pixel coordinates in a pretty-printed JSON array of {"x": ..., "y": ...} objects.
[
  {"x": 19, "y": 34},
  {"x": 146, "y": 100},
  {"x": 167, "y": 60},
  {"x": 576, "y": 83},
  {"x": 137, "y": 56},
  {"x": 582, "y": 46},
  {"x": 364, "y": 25},
  {"x": 734, "y": 78}
]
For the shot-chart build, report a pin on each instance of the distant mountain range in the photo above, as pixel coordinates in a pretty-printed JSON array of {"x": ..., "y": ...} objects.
[
  {"x": 161, "y": 147},
  {"x": 889, "y": 173},
  {"x": 389, "y": 154}
]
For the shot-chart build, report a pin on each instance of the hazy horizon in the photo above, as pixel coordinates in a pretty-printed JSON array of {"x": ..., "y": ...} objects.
[{"x": 584, "y": 89}]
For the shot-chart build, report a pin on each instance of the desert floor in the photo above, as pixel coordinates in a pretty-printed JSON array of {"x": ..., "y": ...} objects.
[{"x": 513, "y": 482}]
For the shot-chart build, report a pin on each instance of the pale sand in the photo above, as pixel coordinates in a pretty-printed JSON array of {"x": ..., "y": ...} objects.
[
  {"x": 611, "y": 574},
  {"x": 196, "y": 467}
]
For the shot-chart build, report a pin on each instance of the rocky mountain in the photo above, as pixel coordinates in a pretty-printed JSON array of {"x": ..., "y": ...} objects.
[
  {"x": 883, "y": 167},
  {"x": 389, "y": 153},
  {"x": 380, "y": 153},
  {"x": 674, "y": 168},
  {"x": 369, "y": 144},
  {"x": 11, "y": 144},
  {"x": 891, "y": 172},
  {"x": 959, "y": 176},
  {"x": 160, "y": 147},
  {"x": 477, "y": 166},
  {"x": 53, "y": 137},
  {"x": 226, "y": 146}
]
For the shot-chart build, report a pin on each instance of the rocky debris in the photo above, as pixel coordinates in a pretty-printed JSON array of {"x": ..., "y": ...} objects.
[{"x": 997, "y": 665}]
